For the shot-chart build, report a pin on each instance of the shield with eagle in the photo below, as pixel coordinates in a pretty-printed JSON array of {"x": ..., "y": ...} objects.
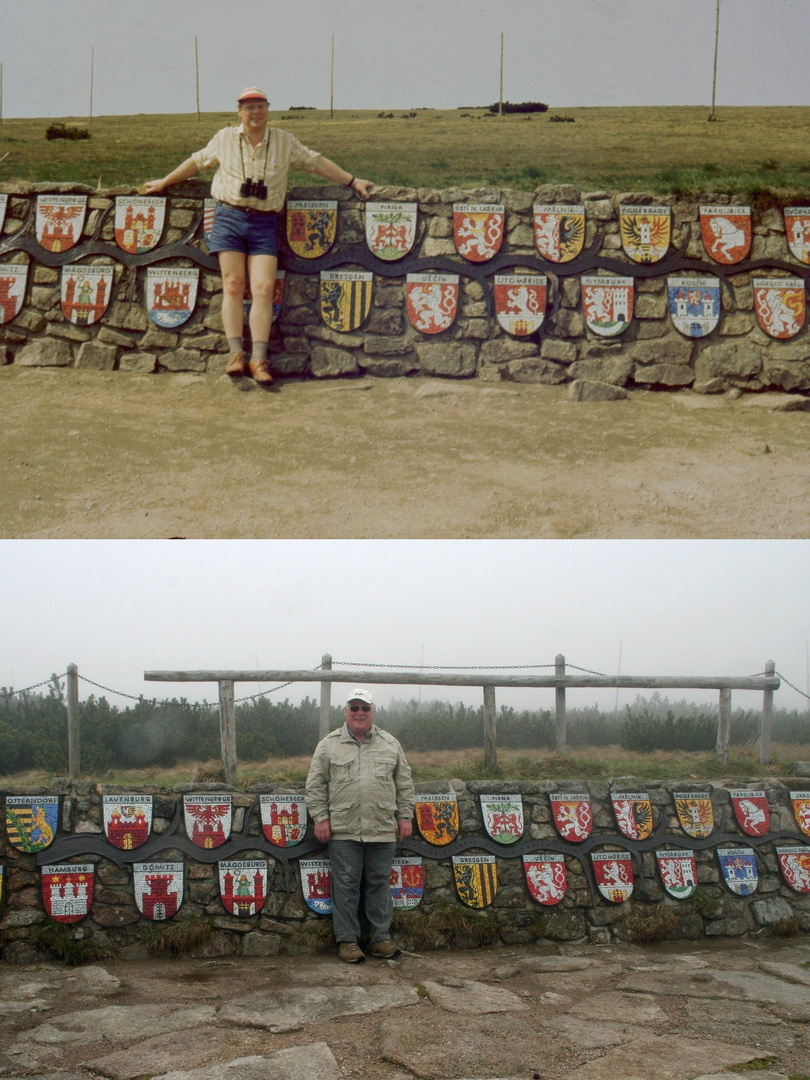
[
  {"x": 127, "y": 820},
  {"x": 520, "y": 302},
  {"x": 694, "y": 810},
  {"x": 573, "y": 816},
  {"x": 607, "y": 303},
  {"x": 85, "y": 292},
  {"x": 478, "y": 230},
  {"x": 407, "y": 881},
  {"x": 437, "y": 817},
  {"x": 31, "y": 821},
  {"x": 390, "y": 229},
  {"x": 60, "y": 220},
  {"x": 633, "y": 813},
  {"x": 797, "y": 229},
  {"x": 678, "y": 870},
  {"x": 243, "y": 886},
  {"x": 67, "y": 891},
  {"x": 546, "y": 877},
  {"x": 726, "y": 232},
  {"x": 476, "y": 878},
  {"x": 208, "y": 819},
  {"x": 800, "y": 801},
  {"x": 645, "y": 232},
  {"x": 13, "y": 279},
  {"x": 751, "y": 810},
  {"x": 158, "y": 888},
  {"x": 780, "y": 305},
  {"x": 694, "y": 304},
  {"x": 345, "y": 298},
  {"x": 284, "y": 818},
  {"x": 432, "y": 301},
  {"x": 613, "y": 871},
  {"x": 739, "y": 869},
  {"x": 503, "y": 817},
  {"x": 316, "y": 883},
  {"x": 559, "y": 231},
  {"x": 794, "y": 862},
  {"x": 311, "y": 226},
  {"x": 138, "y": 222}
]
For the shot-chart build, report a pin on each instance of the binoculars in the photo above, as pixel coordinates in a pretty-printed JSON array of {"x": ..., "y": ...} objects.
[{"x": 253, "y": 189}]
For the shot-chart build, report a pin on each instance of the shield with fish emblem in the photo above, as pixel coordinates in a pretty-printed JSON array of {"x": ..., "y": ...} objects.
[
  {"x": 607, "y": 303},
  {"x": 311, "y": 226},
  {"x": 726, "y": 232},
  {"x": 613, "y": 871},
  {"x": 559, "y": 231},
  {"x": 437, "y": 817},
  {"x": 751, "y": 810},
  {"x": 407, "y": 881},
  {"x": 478, "y": 230},
  {"x": 67, "y": 891},
  {"x": 545, "y": 877},
  {"x": 476, "y": 878},
  {"x": 390, "y": 229},
  {"x": 739, "y": 869},
  {"x": 520, "y": 302},
  {"x": 633, "y": 813},
  {"x": 780, "y": 305},
  {"x": 678, "y": 870},
  {"x": 573, "y": 816},
  {"x": 171, "y": 293},
  {"x": 645, "y": 232},
  {"x": 694, "y": 810},
  {"x": 345, "y": 298}
]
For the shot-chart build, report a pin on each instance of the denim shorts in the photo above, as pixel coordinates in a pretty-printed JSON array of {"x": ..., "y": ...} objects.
[{"x": 234, "y": 230}]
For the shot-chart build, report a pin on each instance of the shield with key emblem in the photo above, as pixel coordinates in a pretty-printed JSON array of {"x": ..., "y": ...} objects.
[
  {"x": 678, "y": 870},
  {"x": 751, "y": 810},
  {"x": 573, "y": 816},
  {"x": 67, "y": 891},
  {"x": 633, "y": 813},
  {"x": 284, "y": 819},
  {"x": 437, "y": 817},
  {"x": 158, "y": 888},
  {"x": 476, "y": 878},
  {"x": 60, "y": 220},
  {"x": 31, "y": 821},
  {"x": 478, "y": 230},
  {"x": 559, "y": 231},
  {"x": 694, "y": 810},
  {"x": 316, "y": 882},
  {"x": 794, "y": 862},
  {"x": 780, "y": 305},
  {"x": 138, "y": 222},
  {"x": 726, "y": 232},
  {"x": 243, "y": 886},
  {"x": 432, "y": 301},
  {"x": 127, "y": 820},
  {"x": 407, "y": 881},
  {"x": 645, "y": 232},
  {"x": 208, "y": 819},
  {"x": 797, "y": 229},
  {"x": 503, "y": 817},
  {"x": 613, "y": 871},
  {"x": 85, "y": 292},
  {"x": 13, "y": 279},
  {"x": 520, "y": 302},
  {"x": 345, "y": 298},
  {"x": 545, "y": 877},
  {"x": 739, "y": 869},
  {"x": 694, "y": 304},
  {"x": 311, "y": 226},
  {"x": 607, "y": 303},
  {"x": 390, "y": 229}
]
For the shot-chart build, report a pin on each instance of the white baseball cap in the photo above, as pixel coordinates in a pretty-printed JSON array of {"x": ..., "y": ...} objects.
[{"x": 359, "y": 694}]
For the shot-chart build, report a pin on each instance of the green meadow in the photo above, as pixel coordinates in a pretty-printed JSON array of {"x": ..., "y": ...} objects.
[{"x": 675, "y": 150}]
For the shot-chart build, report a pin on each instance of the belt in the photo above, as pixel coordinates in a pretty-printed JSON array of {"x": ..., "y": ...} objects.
[{"x": 246, "y": 209}]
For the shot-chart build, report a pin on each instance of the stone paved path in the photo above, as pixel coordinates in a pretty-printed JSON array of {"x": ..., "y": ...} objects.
[{"x": 713, "y": 1011}]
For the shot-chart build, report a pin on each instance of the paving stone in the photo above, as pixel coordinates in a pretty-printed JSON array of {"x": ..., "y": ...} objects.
[
  {"x": 294, "y": 1009},
  {"x": 468, "y": 996},
  {"x": 313, "y": 1062},
  {"x": 663, "y": 1058},
  {"x": 593, "y": 1035},
  {"x": 612, "y": 1006}
]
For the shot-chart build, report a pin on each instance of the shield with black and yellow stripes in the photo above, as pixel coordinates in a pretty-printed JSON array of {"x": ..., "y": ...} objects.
[
  {"x": 476, "y": 878},
  {"x": 345, "y": 298}
]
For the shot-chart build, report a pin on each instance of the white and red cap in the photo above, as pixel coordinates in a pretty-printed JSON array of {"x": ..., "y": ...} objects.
[{"x": 252, "y": 93}]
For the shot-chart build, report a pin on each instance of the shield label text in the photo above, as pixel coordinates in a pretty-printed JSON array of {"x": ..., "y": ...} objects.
[
  {"x": 694, "y": 810},
  {"x": 503, "y": 817},
  {"x": 127, "y": 820},
  {"x": 208, "y": 819},
  {"x": 13, "y": 279},
  {"x": 67, "y": 891},
  {"x": 546, "y": 877},
  {"x": 311, "y": 226},
  {"x": 645, "y": 232},
  {"x": 345, "y": 298},
  {"x": 739, "y": 869},
  {"x": 158, "y": 889},
  {"x": 678, "y": 871},
  {"x": 694, "y": 304},
  {"x": 171, "y": 292},
  {"x": 520, "y": 302},
  {"x": 85, "y": 292},
  {"x": 60, "y": 220},
  {"x": 559, "y": 231},
  {"x": 31, "y": 821},
  {"x": 138, "y": 222},
  {"x": 390, "y": 229},
  {"x": 607, "y": 303},
  {"x": 284, "y": 819},
  {"x": 243, "y": 886},
  {"x": 407, "y": 881},
  {"x": 432, "y": 301},
  {"x": 751, "y": 811},
  {"x": 573, "y": 816},
  {"x": 437, "y": 817},
  {"x": 780, "y": 305},
  {"x": 316, "y": 882},
  {"x": 797, "y": 227},
  {"x": 794, "y": 862},
  {"x": 726, "y": 232},
  {"x": 476, "y": 878},
  {"x": 633, "y": 813},
  {"x": 613, "y": 871},
  {"x": 478, "y": 230},
  {"x": 801, "y": 809}
]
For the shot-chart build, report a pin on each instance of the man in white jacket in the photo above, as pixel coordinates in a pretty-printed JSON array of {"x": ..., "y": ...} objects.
[{"x": 360, "y": 796}]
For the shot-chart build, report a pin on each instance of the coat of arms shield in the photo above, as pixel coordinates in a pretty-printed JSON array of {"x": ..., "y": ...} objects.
[
  {"x": 694, "y": 810},
  {"x": 797, "y": 228},
  {"x": 559, "y": 231},
  {"x": 311, "y": 226},
  {"x": 209, "y": 206},
  {"x": 800, "y": 801},
  {"x": 13, "y": 279},
  {"x": 476, "y": 878},
  {"x": 678, "y": 870},
  {"x": 208, "y": 819},
  {"x": 573, "y": 816},
  {"x": 437, "y": 817},
  {"x": 85, "y": 292},
  {"x": 726, "y": 232},
  {"x": 345, "y": 298},
  {"x": 794, "y": 862},
  {"x": 243, "y": 886},
  {"x": 645, "y": 232},
  {"x": 633, "y": 813},
  {"x": 407, "y": 881},
  {"x": 751, "y": 810},
  {"x": 60, "y": 220},
  {"x": 31, "y": 821},
  {"x": 546, "y": 877},
  {"x": 67, "y": 891},
  {"x": 613, "y": 871},
  {"x": 520, "y": 302},
  {"x": 158, "y": 888},
  {"x": 739, "y": 869},
  {"x": 478, "y": 230},
  {"x": 607, "y": 303},
  {"x": 503, "y": 817},
  {"x": 316, "y": 882},
  {"x": 694, "y": 304},
  {"x": 127, "y": 820},
  {"x": 139, "y": 222},
  {"x": 171, "y": 292},
  {"x": 780, "y": 305},
  {"x": 432, "y": 301},
  {"x": 390, "y": 229},
  {"x": 278, "y": 293},
  {"x": 284, "y": 819}
]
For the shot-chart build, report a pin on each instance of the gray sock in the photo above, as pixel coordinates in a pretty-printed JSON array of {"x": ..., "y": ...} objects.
[
  {"x": 235, "y": 344},
  {"x": 259, "y": 351}
]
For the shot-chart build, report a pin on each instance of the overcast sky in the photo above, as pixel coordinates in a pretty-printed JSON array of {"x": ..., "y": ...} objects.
[
  {"x": 117, "y": 608},
  {"x": 397, "y": 53}
]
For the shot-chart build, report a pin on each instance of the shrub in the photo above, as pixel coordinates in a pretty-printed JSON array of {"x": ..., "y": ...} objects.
[
  {"x": 60, "y": 131},
  {"x": 519, "y": 107}
]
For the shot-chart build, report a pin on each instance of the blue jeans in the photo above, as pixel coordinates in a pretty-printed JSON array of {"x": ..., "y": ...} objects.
[
  {"x": 360, "y": 869},
  {"x": 234, "y": 230}
]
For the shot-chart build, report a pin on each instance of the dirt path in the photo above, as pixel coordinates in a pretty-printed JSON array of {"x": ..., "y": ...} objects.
[{"x": 96, "y": 454}]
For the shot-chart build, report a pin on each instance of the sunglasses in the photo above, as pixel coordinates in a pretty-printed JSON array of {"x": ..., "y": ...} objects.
[{"x": 359, "y": 708}]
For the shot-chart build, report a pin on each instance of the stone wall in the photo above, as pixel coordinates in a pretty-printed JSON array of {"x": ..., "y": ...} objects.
[
  {"x": 513, "y": 917},
  {"x": 651, "y": 353}
]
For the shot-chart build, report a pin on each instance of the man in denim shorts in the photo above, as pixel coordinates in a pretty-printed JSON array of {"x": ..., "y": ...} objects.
[{"x": 250, "y": 187}]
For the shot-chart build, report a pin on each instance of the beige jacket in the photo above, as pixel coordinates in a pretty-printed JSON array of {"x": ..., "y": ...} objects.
[{"x": 362, "y": 788}]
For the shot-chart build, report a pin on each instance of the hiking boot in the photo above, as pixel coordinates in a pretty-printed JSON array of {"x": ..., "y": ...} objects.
[
  {"x": 237, "y": 365},
  {"x": 385, "y": 950},
  {"x": 350, "y": 952}
]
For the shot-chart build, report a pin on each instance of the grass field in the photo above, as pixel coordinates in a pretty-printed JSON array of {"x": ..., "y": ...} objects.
[{"x": 671, "y": 150}]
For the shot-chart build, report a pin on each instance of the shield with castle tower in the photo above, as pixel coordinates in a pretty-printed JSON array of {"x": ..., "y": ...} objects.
[
  {"x": 85, "y": 292},
  {"x": 127, "y": 820},
  {"x": 13, "y": 279},
  {"x": 243, "y": 886},
  {"x": 158, "y": 888},
  {"x": 171, "y": 293},
  {"x": 138, "y": 222},
  {"x": 694, "y": 304},
  {"x": 67, "y": 891},
  {"x": 284, "y": 819},
  {"x": 316, "y": 884}
]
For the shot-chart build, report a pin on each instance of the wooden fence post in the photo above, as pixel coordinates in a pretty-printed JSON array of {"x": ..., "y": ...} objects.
[
  {"x": 490, "y": 736},
  {"x": 326, "y": 699},
  {"x": 767, "y": 719},
  {"x": 227, "y": 730},
  {"x": 723, "y": 726},
  {"x": 559, "y": 695},
  {"x": 74, "y": 744}
]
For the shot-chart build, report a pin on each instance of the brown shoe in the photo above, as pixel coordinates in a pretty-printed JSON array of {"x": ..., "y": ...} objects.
[
  {"x": 237, "y": 365},
  {"x": 385, "y": 950},
  {"x": 258, "y": 369},
  {"x": 350, "y": 952}
]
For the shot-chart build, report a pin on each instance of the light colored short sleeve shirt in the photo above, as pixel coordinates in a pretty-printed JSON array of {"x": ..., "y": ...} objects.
[{"x": 238, "y": 161}]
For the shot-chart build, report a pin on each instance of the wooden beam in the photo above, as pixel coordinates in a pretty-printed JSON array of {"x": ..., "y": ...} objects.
[{"x": 227, "y": 730}]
